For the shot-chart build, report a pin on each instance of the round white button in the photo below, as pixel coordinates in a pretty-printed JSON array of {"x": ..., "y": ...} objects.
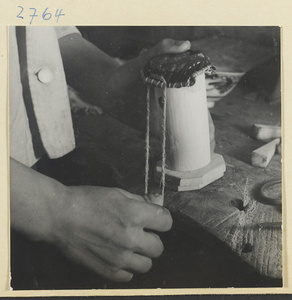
[{"x": 45, "y": 75}]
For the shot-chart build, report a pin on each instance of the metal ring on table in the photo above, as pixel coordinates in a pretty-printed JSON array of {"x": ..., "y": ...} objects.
[{"x": 268, "y": 199}]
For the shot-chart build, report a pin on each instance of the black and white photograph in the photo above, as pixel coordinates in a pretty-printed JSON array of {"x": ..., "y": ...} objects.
[{"x": 145, "y": 157}]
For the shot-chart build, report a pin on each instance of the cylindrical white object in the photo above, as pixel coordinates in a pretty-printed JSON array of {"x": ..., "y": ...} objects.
[{"x": 188, "y": 142}]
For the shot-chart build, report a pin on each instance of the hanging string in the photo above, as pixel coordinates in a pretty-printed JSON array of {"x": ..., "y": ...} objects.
[
  {"x": 162, "y": 180},
  {"x": 147, "y": 139}
]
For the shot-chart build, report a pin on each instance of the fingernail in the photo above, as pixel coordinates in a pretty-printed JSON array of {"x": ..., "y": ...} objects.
[
  {"x": 179, "y": 43},
  {"x": 157, "y": 192},
  {"x": 156, "y": 199}
]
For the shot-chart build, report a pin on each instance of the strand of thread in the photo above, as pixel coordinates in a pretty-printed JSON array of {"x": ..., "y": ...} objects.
[
  {"x": 163, "y": 159},
  {"x": 147, "y": 139}
]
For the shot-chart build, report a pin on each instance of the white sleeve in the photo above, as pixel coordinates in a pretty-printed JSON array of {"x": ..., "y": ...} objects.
[{"x": 62, "y": 31}]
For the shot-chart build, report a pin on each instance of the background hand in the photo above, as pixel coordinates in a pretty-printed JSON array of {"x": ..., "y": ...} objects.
[{"x": 171, "y": 46}]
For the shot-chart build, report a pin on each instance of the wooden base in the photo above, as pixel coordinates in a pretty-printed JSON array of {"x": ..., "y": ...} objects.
[{"x": 192, "y": 180}]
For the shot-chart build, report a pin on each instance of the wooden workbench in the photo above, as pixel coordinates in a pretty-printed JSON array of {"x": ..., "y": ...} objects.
[{"x": 227, "y": 210}]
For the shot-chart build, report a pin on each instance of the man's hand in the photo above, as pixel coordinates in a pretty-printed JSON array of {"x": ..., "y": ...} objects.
[
  {"x": 103, "y": 228},
  {"x": 170, "y": 46},
  {"x": 107, "y": 230}
]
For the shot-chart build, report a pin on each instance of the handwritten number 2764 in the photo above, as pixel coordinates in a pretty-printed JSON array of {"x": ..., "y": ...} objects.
[{"x": 46, "y": 15}]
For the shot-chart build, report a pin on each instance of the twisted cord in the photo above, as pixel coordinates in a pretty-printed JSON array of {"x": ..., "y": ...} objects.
[
  {"x": 147, "y": 139},
  {"x": 163, "y": 159}
]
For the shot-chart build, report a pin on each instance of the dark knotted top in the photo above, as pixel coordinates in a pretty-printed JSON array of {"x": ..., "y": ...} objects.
[{"x": 176, "y": 70}]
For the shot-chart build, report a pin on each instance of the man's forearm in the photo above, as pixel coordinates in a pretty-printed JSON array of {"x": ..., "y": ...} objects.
[
  {"x": 86, "y": 67},
  {"x": 96, "y": 75},
  {"x": 34, "y": 200}
]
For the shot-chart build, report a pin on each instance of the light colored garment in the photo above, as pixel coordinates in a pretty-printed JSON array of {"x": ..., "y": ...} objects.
[{"x": 39, "y": 110}]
